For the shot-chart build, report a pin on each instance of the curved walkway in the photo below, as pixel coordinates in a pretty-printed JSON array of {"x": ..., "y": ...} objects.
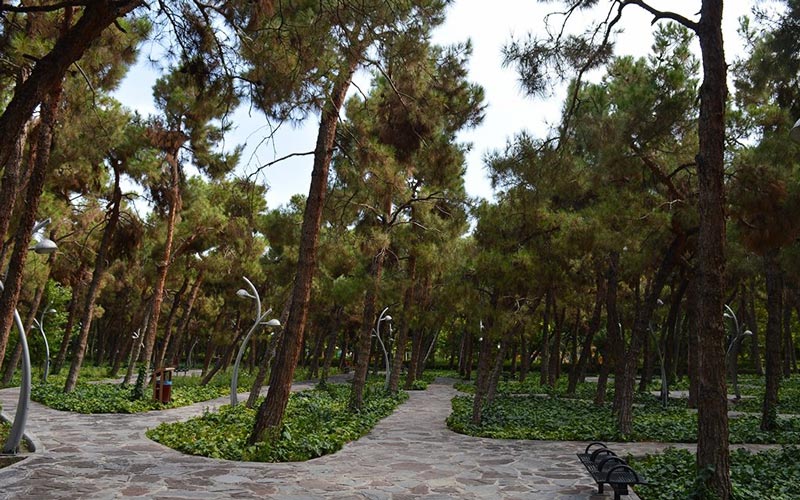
[{"x": 410, "y": 454}]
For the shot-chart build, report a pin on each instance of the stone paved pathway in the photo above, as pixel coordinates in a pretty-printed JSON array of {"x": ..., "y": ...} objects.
[{"x": 410, "y": 454}]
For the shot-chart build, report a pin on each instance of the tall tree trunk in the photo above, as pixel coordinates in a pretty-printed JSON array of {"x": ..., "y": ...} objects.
[
  {"x": 752, "y": 321},
  {"x": 692, "y": 358},
  {"x": 12, "y": 168},
  {"x": 368, "y": 320},
  {"x": 168, "y": 327},
  {"x": 72, "y": 313},
  {"x": 712, "y": 440},
  {"x": 787, "y": 332},
  {"x": 171, "y": 142},
  {"x": 41, "y": 160},
  {"x": 405, "y": 320},
  {"x": 578, "y": 372},
  {"x": 330, "y": 348},
  {"x": 644, "y": 315},
  {"x": 484, "y": 367},
  {"x": 672, "y": 342},
  {"x": 615, "y": 341},
  {"x": 544, "y": 368},
  {"x": 47, "y": 74},
  {"x": 137, "y": 342},
  {"x": 173, "y": 354},
  {"x": 774, "y": 279},
  {"x": 505, "y": 341},
  {"x": 555, "y": 349},
  {"x": 270, "y": 414},
  {"x": 100, "y": 265}
]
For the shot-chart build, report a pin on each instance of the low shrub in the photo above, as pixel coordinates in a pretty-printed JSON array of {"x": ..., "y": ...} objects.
[
  {"x": 673, "y": 475},
  {"x": 116, "y": 398},
  {"x": 317, "y": 422},
  {"x": 538, "y": 417}
]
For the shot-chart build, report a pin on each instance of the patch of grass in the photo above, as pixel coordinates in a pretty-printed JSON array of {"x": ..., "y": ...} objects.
[
  {"x": 532, "y": 417},
  {"x": 317, "y": 422},
  {"x": 770, "y": 474}
]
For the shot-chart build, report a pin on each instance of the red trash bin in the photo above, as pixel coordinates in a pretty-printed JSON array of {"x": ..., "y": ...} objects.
[{"x": 162, "y": 387}]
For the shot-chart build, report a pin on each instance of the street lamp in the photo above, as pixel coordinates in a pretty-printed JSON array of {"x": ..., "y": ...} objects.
[
  {"x": 259, "y": 318},
  {"x": 735, "y": 341},
  {"x": 794, "y": 134},
  {"x": 44, "y": 246},
  {"x": 377, "y": 332},
  {"x": 40, "y": 325}
]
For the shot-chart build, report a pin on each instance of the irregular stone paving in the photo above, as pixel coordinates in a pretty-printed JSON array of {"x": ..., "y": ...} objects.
[{"x": 410, "y": 454}]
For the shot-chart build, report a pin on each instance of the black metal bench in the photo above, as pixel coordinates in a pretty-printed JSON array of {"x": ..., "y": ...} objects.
[{"x": 607, "y": 468}]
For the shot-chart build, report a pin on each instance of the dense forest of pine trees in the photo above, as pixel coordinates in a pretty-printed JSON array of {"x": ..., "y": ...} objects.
[{"x": 612, "y": 245}]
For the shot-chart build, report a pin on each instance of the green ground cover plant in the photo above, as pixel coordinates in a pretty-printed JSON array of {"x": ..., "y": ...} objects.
[
  {"x": 769, "y": 474},
  {"x": 535, "y": 417},
  {"x": 88, "y": 373},
  {"x": 317, "y": 422},
  {"x": 116, "y": 398},
  {"x": 584, "y": 390}
]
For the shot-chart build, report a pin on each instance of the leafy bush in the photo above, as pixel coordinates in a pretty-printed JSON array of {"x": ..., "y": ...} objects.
[
  {"x": 673, "y": 475},
  {"x": 537, "y": 417},
  {"x": 419, "y": 385},
  {"x": 317, "y": 422},
  {"x": 115, "y": 398}
]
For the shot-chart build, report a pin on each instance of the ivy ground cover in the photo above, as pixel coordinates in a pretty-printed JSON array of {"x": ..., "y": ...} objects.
[{"x": 317, "y": 422}]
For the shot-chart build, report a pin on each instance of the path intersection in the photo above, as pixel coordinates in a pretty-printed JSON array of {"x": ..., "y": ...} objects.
[{"x": 409, "y": 455}]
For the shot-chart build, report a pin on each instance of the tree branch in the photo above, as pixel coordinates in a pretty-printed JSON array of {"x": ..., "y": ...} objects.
[{"x": 660, "y": 14}]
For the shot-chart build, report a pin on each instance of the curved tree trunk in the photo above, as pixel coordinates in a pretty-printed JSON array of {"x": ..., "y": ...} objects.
[
  {"x": 100, "y": 266},
  {"x": 270, "y": 413},
  {"x": 171, "y": 142},
  {"x": 49, "y": 70},
  {"x": 27, "y": 220},
  {"x": 365, "y": 337}
]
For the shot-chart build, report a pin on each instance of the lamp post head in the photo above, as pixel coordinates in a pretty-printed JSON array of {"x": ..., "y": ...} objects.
[
  {"x": 794, "y": 134},
  {"x": 273, "y": 322},
  {"x": 747, "y": 332},
  {"x": 387, "y": 318},
  {"x": 45, "y": 246},
  {"x": 244, "y": 293}
]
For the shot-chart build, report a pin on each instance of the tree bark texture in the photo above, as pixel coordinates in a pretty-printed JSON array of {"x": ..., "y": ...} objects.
[
  {"x": 30, "y": 206},
  {"x": 405, "y": 320},
  {"x": 100, "y": 266},
  {"x": 49, "y": 71},
  {"x": 270, "y": 413},
  {"x": 712, "y": 440}
]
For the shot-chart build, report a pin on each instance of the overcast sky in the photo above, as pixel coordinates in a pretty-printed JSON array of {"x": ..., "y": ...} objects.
[{"x": 508, "y": 110}]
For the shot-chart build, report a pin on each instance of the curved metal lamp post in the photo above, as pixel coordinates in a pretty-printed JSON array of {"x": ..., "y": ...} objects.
[
  {"x": 259, "y": 318},
  {"x": 40, "y": 325},
  {"x": 377, "y": 332},
  {"x": 44, "y": 246},
  {"x": 794, "y": 133},
  {"x": 735, "y": 341}
]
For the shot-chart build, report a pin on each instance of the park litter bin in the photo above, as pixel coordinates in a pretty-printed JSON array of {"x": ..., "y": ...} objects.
[{"x": 162, "y": 385}]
